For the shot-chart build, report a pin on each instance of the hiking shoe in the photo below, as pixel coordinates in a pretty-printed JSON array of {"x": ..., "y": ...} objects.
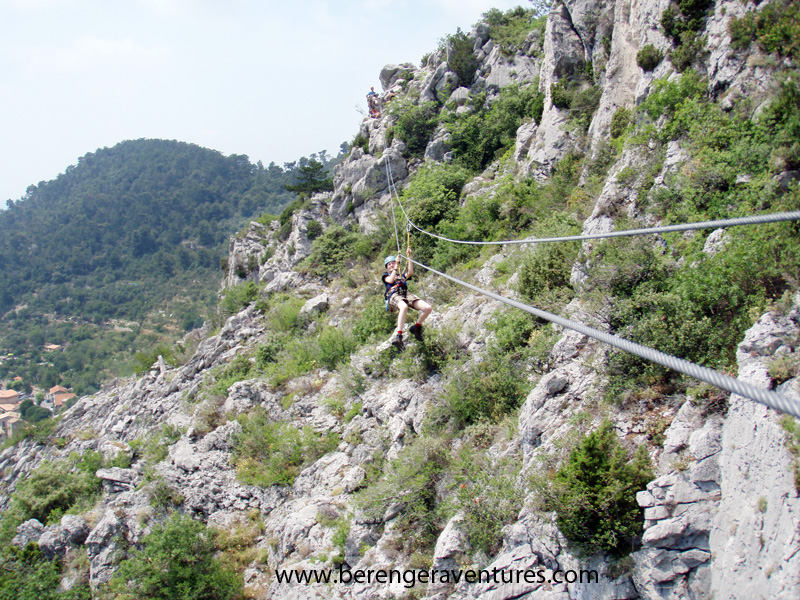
[
  {"x": 416, "y": 331},
  {"x": 397, "y": 340}
]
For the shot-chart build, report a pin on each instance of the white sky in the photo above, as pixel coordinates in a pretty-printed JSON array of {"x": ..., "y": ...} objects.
[{"x": 275, "y": 80}]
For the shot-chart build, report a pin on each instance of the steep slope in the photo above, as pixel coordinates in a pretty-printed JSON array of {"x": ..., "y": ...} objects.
[{"x": 502, "y": 443}]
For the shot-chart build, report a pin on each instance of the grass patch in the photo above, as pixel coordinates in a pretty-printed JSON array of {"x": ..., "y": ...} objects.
[{"x": 267, "y": 453}]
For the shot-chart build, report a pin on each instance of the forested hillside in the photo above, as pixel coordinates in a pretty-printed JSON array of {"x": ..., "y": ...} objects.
[{"x": 133, "y": 234}]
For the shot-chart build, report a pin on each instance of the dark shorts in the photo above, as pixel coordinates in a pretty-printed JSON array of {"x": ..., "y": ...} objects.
[{"x": 409, "y": 299}]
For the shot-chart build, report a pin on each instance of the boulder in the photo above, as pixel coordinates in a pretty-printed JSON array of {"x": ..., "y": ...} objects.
[
  {"x": 29, "y": 531},
  {"x": 315, "y": 306}
]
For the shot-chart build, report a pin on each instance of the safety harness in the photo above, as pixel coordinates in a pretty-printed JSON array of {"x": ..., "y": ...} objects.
[{"x": 399, "y": 287}]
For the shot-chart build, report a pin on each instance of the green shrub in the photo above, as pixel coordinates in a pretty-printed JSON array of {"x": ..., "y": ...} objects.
[
  {"x": 545, "y": 273},
  {"x": 430, "y": 197},
  {"x": 528, "y": 336},
  {"x": 237, "y": 370},
  {"x": 683, "y": 22},
  {"x": 164, "y": 496},
  {"x": 361, "y": 141},
  {"x": 700, "y": 311},
  {"x": 28, "y": 575},
  {"x": 153, "y": 448},
  {"x": 461, "y": 58},
  {"x": 335, "y": 251},
  {"x": 561, "y": 94},
  {"x": 177, "y": 562},
  {"x": 267, "y": 353},
  {"x": 51, "y": 490},
  {"x": 313, "y": 230},
  {"x": 415, "y": 124},
  {"x": 687, "y": 16},
  {"x": 513, "y": 329},
  {"x": 697, "y": 313},
  {"x": 143, "y": 361},
  {"x": 288, "y": 212},
  {"x": 584, "y": 104},
  {"x": 411, "y": 480},
  {"x": 594, "y": 494},
  {"x": 283, "y": 314},
  {"x": 688, "y": 51},
  {"x": 623, "y": 264},
  {"x": 791, "y": 428},
  {"x": 488, "y": 494},
  {"x": 300, "y": 355},
  {"x": 335, "y": 346},
  {"x": 288, "y": 354},
  {"x": 776, "y": 29},
  {"x": 620, "y": 122},
  {"x": 266, "y": 219},
  {"x": 510, "y": 29},
  {"x": 374, "y": 320},
  {"x": 668, "y": 97},
  {"x": 649, "y": 57},
  {"x": 237, "y": 297},
  {"x": 267, "y": 453},
  {"x": 490, "y": 131},
  {"x": 784, "y": 367},
  {"x": 488, "y": 391},
  {"x": 579, "y": 98},
  {"x": 420, "y": 361}
]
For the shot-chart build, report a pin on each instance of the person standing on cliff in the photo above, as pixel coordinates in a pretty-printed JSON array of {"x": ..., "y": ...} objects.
[{"x": 372, "y": 103}]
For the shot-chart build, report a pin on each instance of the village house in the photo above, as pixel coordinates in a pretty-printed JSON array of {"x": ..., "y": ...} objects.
[
  {"x": 9, "y": 397},
  {"x": 10, "y": 423},
  {"x": 56, "y": 389},
  {"x": 59, "y": 399}
]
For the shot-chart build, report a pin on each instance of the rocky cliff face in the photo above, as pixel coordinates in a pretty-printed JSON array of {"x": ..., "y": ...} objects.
[{"x": 722, "y": 515}]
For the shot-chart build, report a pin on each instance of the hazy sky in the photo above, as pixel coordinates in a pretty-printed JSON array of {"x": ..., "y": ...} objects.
[{"x": 275, "y": 80}]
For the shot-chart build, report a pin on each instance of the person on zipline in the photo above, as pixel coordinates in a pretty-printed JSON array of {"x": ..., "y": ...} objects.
[{"x": 397, "y": 296}]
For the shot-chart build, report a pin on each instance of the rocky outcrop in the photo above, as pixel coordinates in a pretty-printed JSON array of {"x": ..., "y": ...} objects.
[
  {"x": 754, "y": 535},
  {"x": 364, "y": 176},
  {"x": 678, "y": 510},
  {"x": 246, "y": 253}
]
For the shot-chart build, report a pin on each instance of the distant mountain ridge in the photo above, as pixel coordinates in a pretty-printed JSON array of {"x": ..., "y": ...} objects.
[
  {"x": 120, "y": 236},
  {"x": 142, "y": 208}
]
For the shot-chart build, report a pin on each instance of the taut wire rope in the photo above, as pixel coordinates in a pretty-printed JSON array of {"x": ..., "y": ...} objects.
[
  {"x": 392, "y": 187},
  {"x": 719, "y": 223},
  {"x": 390, "y": 181},
  {"x": 770, "y": 398}
]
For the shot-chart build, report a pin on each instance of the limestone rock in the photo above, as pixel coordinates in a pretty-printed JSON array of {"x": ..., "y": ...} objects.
[
  {"x": 391, "y": 73},
  {"x": 116, "y": 479},
  {"x": 246, "y": 252},
  {"x": 316, "y": 305},
  {"x": 29, "y": 531}
]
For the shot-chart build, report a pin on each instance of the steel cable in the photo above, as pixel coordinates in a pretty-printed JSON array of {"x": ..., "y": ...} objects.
[
  {"x": 719, "y": 223},
  {"x": 770, "y": 398}
]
